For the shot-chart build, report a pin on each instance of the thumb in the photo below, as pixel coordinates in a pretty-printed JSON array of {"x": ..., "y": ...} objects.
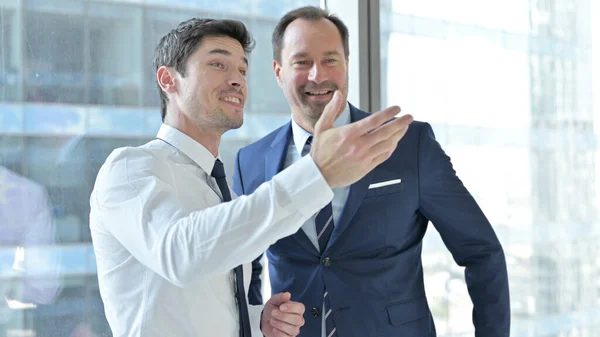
[
  {"x": 329, "y": 114},
  {"x": 280, "y": 298}
]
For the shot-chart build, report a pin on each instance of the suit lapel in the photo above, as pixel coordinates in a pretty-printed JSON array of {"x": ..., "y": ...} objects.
[
  {"x": 356, "y": 194},
  {"x": 274, "y": 161},
  {"x": 275, "y": 157}
]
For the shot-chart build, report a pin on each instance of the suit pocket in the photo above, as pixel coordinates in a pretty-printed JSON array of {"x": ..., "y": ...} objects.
[
  {"x": 407, "y": 318},
  {"x": 405, "y": 312},
  {"x": 374, "y": 192}
]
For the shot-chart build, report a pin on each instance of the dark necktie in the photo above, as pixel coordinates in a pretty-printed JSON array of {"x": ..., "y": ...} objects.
[
  {"x": 218, "y": 173},
  {"x": 324, "y": 227},
  {"x": 324, "y": 219}
]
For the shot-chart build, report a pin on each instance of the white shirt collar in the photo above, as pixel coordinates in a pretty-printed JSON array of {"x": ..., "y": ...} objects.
[
  {"x": 191, "y": 148},
  {"x": 299, "y": 135}
]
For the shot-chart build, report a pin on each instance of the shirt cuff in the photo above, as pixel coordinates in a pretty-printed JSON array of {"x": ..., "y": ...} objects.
[{"x": 255, "y": 313}]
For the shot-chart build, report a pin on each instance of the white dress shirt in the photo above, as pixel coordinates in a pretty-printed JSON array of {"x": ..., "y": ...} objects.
[
  {"x": 166, "y": 246},
  {"x": 294, "y": 154}
]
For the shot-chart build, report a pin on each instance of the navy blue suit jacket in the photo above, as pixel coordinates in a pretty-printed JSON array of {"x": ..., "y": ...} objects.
[{"x": 373, "y": 270}]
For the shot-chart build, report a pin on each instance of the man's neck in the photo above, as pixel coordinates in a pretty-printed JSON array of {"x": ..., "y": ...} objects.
[
  {"x": 207, "y": 138},
  {"x": 309, "y": 126},
  {"x": 306, "y": 123},
  {"x": 303, "y": 121}
]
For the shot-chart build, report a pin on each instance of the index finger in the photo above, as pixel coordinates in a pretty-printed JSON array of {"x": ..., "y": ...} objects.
[
  {"x": 375, "y": 120},
  {"x": 292, "y": 307}
]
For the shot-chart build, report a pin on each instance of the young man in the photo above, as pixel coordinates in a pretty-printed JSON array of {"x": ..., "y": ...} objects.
[{"x": 172, "y": 249}]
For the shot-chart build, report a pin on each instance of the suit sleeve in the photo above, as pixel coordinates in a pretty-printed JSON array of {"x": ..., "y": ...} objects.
[
  {"x": 255, "y": 292},
  {"x": 468, "y": 235}
]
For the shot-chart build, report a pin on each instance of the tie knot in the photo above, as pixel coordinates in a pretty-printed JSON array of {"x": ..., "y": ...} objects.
[
  {"x": 306, "y": 148},
  {"x": 218, "y": 170}
]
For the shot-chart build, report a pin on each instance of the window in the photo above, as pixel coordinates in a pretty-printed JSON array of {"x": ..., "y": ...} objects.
[
  {"x": 506, "y": 87},
  {"x": 76, "y": 82}
]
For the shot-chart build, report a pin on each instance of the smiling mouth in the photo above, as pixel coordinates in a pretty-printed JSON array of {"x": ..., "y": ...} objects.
[
  {"x": 318, "y": 93},
  {"x": 230, "y": 99}
]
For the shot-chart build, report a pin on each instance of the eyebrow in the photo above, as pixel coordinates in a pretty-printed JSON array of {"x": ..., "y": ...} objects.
[
  {"x": 332, "y": 52},
  {"x": 305, "y": 54},
  {"x": 299, "y": 55},
  {"x": 226, "y": 53}
]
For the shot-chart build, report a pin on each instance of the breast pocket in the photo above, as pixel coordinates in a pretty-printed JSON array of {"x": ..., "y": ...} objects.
[
  {"x": 384, "y": 187},
  {"x": 374, "y": 213}
]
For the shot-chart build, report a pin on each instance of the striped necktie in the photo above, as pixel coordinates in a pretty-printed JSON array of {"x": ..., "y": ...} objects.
[{"x": 324, "y": 227}]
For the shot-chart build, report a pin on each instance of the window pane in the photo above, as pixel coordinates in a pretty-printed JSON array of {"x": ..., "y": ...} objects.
[
  {"x": 115, "y": 54},
  {"x": 54, "y": 55},
  {"x": 261, "y": 75},
  {"x": 507, "y": 88},
  {"x": 11, "y": 67}
]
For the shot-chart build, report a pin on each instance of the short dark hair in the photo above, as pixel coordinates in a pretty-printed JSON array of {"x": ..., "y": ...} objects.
[
  {"x": 310, "y": 13},
  {"x": 175, "y": 48}
]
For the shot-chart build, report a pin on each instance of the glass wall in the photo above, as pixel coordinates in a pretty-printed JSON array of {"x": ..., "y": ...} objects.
[
  {"x": 76, "y": 82},
  {"x": 507, "y": 87}
]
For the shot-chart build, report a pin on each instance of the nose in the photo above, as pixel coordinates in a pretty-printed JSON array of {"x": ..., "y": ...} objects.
[
  {"x": 237, "y": 80},
  {"x": 317, "y": 73}
]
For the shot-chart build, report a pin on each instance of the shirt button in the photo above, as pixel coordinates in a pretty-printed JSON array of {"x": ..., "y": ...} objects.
[
  {"x": 326, "y": 261},
  {"x": 315, "y": 312}
]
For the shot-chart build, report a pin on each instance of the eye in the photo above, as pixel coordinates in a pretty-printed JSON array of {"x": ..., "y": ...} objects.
[
  {"x": 218, "y": 65},
  {"x": 302, "y": 63},
  {"x": 331, "y": 60},
  {"x": 243, "y": 72}
]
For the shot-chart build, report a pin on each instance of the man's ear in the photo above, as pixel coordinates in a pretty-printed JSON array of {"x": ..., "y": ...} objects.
[
  {"x": 277, "y": 70},
  {"x": 166, "y": 78}
]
